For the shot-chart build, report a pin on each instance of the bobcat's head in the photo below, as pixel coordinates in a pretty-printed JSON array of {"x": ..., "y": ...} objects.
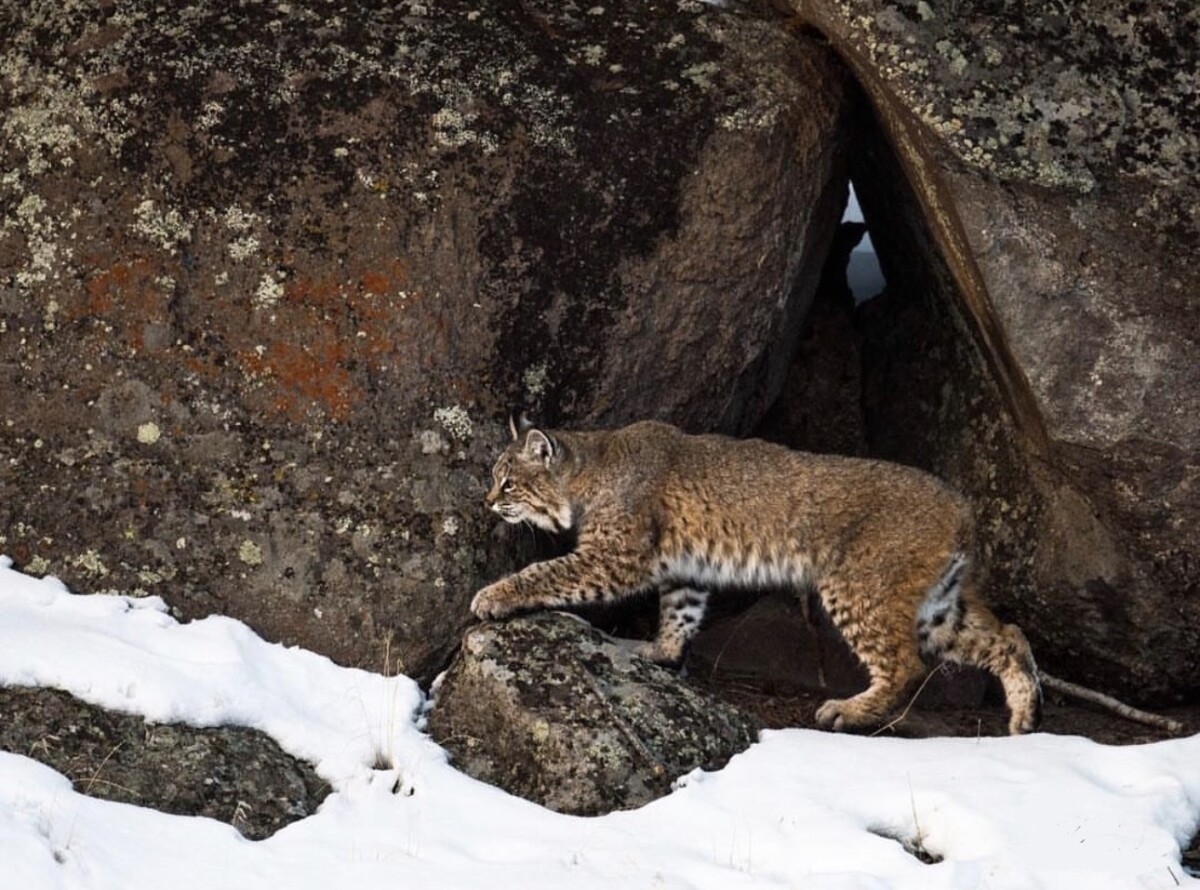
[{"x": 529, "y": 481}]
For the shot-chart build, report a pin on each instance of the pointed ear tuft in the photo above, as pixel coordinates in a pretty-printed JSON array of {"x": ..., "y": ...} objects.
[
  {"x": 518, "y": 424},
  {"x": 540, "y": 446}
]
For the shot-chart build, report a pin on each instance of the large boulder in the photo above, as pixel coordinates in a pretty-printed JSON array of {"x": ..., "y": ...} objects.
[
  {"x": 549, "y": 709},
  {"x": 1031, "y": 176},
  {"x": 272, "y": 275},
  {"x": 231, "y": 774}
]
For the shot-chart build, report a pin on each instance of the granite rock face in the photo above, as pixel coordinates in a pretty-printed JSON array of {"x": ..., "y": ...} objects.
[
  {"x": 271, "y": 279},
  {"x": 231, "y": 774},
  {"x": 1031, "y": 176},
  {"x": 549, "y": 709}
]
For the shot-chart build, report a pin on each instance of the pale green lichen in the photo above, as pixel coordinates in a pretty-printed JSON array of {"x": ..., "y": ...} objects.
[
  {"x": 250, "y": 553},
  {"x": 534, "y": 380},
  {"x": 39, "y": 565},
  {"x": 148, "y": 433},
  {"x": 90, "y": 563},
  {"x": 701, "y": 74}
]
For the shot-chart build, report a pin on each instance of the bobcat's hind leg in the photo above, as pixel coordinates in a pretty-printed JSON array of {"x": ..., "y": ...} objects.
[
  {"x": 962, "y": 629},
  {"x": 680, "y": 612},
  {"x": 885, "y": 648}
]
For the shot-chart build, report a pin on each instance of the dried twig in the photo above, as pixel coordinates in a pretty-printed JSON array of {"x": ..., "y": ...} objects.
[
  {"x": 1108, "y": 703},
  {"x": 87, "y": 788},
  {"x": 911, "y": 701}
]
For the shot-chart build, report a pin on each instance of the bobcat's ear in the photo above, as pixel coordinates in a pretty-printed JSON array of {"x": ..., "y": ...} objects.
[
  {"x": 541, "y": 447},
  {"x": 518, "y": 424}
]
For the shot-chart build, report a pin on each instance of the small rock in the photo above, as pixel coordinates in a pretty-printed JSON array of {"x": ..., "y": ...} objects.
[
  {"x": 550, "y": 709},
  {"x": 232, "y": 774}
]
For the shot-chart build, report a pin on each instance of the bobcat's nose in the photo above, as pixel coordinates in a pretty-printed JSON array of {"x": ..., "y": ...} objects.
[{"x": 492, "y": 496}]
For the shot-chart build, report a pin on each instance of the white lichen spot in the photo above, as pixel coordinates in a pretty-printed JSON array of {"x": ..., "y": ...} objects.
[
  {"x": 250, "y": 553},
  {"x": 701, "y": 75},
  {"x": 749, "y": 119},
  {"x": 181, "y": 543},
  {"x": 48, "y": 320},
  {"x": 165, "y": 227},
  {"x": 268, "y": 292},
  {"x": 535, "y": 378},
  {"x": 450, "y": 526},
  {"x": 454, "y": 129},
  {"x": 593, "y": 54},
  {"x": 148, "y": 433},
  {"x": 432, "y": 442},
  {"x": 456, "y": 421},
  {"x": 243, "y": 248},
  {"x": 210, "y": 115},
  {"x": 30, "y": 209},
  {"x": 238, "y": 220}
]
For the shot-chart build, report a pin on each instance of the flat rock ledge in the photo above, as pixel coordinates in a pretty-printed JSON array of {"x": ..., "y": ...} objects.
[
  {"x": 550, "y": 709},
  {"x": 232, "y": 774}
]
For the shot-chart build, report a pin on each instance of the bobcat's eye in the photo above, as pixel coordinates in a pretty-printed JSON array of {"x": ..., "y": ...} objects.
[{"x": 506, "y": 486}]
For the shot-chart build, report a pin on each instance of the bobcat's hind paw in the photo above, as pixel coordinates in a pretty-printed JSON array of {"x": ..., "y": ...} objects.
[{"x": 493, "y": 602}]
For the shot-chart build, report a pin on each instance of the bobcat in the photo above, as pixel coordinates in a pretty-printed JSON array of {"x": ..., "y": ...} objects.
[{"x": 885, "y": 546}]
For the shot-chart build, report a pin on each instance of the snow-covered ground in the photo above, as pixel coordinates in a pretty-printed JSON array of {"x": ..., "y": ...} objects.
[{"x": 799, "y": 809}]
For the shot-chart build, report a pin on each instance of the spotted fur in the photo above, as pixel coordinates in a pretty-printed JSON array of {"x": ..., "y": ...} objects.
[{"x": 885, "y": 546}]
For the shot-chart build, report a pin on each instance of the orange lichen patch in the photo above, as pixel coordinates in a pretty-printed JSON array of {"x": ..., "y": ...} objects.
[
  {"x": 313, "y": 374},
  {"x": 126, "y": 288},
  {"x": 376, "y": 283},
  {"x": 325, "y": 337},
  {"x": 128, "y": 295},
  {"x": 325, "y": 292}
]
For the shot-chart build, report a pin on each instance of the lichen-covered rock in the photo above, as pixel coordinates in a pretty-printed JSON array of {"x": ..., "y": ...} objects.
[
  {"x": 272, "y": 276},
  {"x": 549, "y": 709},
  {"x": 1036, "y": 214},
  {"x": 235, "y": 775}
]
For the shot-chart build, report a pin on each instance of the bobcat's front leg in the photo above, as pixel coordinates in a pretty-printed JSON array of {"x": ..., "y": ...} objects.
[{"x": 587, "y": 575}]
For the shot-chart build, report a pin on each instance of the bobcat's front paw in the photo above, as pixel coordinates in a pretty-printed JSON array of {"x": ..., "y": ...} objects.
[
  {"x": 830, "y": 716},
  {"x": 495, "y": 601}
]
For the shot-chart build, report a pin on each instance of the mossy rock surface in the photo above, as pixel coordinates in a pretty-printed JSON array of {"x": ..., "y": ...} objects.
[
  {"x": 551, "y": 710},
  {"x": 231, "y": 774},
  {"x": 272, "y": 276}
]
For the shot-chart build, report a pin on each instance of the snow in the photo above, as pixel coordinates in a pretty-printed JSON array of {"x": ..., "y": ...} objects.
[{"x": 798, "y": 809}]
